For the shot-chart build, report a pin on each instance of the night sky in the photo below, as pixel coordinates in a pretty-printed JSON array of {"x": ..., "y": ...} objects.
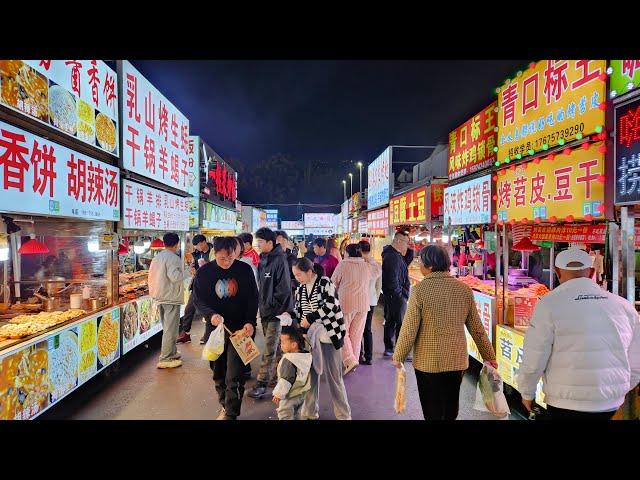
[{"x": 321, "y": 116}]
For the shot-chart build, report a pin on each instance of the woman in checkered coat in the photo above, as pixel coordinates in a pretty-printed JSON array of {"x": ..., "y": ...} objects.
[
  {"x": 439, "y": 309},
  {"x": 318, "y": 311}
]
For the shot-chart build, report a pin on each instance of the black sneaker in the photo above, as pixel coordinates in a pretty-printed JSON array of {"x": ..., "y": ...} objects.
[
  {"x": 365, "y": 362},
  {"x": 258, "y": 391}
]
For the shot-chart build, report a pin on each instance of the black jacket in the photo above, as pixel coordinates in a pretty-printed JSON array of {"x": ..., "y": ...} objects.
[
  {"x": 291, "y": 259},
  {"x": 231, "y": 293},
  {"x": 204, "y": 255},
  {"x": 395, "y": 272},
  {"x": 275, "y": 284}
]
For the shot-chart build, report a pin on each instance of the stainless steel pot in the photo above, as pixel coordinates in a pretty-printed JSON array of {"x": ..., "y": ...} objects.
[
  {"x": 49, "y": 304},
  {"x": 54, "y": 286}
]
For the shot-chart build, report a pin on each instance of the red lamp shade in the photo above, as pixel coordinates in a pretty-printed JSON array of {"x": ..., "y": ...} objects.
[
  {"x": 122, "y": 250},
  {"x": 157, "y": 244},
  {"x": 525, "y": 245},
  {"x": 33, "y": 247}
]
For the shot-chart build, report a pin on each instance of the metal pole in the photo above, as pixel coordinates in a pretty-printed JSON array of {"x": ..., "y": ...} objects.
[
  {"x": 552, "y": 261},
  {"x": 344, "y": 187},
  {"x": 361, "y": 177},
  {"x": 351, "y": 185}
]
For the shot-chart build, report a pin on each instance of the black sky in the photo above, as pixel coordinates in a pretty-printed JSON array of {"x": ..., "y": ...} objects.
[{"x": 327, "y": 111}]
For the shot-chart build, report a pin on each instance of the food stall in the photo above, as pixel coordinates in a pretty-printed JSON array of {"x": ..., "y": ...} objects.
[
  {"x": 550, "y": 188},
  {"x": 159, "y": 175},
  {"x": 378, "y": 229},
  {"x": 59, "y": 198}
]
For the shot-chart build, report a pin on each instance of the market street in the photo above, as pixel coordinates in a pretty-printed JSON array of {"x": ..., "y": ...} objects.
[{"x": 139, "y": 391}]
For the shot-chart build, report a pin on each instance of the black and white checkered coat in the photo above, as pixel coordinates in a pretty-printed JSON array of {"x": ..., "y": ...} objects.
[{"x": 328, "y": 312}]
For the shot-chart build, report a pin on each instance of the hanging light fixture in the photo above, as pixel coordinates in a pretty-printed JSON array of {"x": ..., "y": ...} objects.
[
  {"x": 525, "y": 245},
  {"x": 33, "y": 247},
  {"x": 157, "y": 244}
]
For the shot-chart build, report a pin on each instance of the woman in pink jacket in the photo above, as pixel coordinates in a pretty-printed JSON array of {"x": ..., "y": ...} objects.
[{"x": 352, "y": 277}]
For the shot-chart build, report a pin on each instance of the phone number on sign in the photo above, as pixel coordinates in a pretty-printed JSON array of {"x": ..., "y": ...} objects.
[{"x": 566, "y": 133}]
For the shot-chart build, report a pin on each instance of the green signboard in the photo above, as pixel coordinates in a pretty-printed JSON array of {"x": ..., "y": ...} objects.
[{"x": 625, "y": 76}]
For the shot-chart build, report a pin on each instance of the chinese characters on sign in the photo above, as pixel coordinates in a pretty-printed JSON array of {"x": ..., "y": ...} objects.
[
  {"x": 625, "y": 76},
  {"x": 146, "y": 208},
  {"x": 627, "y": 153},
  {"x": 318, "y": 220},
  {"x": 557, "y": 99},
  {"x": 355, "y": 204},
  {"x": 378, "y": 222},
  {"x": 468, "y": 203},
  {"x": 409, "y": 208},
  {"x": 568, "y": 185},
  {"x": 362, "y": 225},
  {"x": 292, "y": 225},
  {"x": 569, "y": 233},
  {"x": 437, "y": 199},
  {"x": 43, "y": 177},
  {"x": 220, "y": 186},
  {"x": 471, "y": 146},
  {"x": 379, "y": 173},
  {"x": 216, "y": 217},
  {"x": 272, "y": 219},
  {"x": 155, "y": 134},
  {"x": 76, "y": 97}
]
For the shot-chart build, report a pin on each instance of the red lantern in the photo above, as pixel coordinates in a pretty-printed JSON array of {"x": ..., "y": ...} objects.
[
  {"x": 588, "y": 217},
  {"x": 525, "y": 221},
  {"x": 551, "y": 157},
  {"x": 603, "y": 106},
  {"x": 525, "y": 245},
  {"x": 603, "y": 77},
  {"x": 536, "y": 161},
  {"x": 602, "y": 178},
  {"x": 585, "y": 146},
  {"x": 602, "y": 149},
  {"x": 537, "y": 220},
  {"x": 566, "y": 151},
  {"x": 33, "y": 247},
  {"x": 495, "y": 177},
  {"x": 495, "y": 217},
  {"x": 157, "y": 244},
  {"x": 568, "y": 218},
  {"x": 495, "y": 197},
  {"x": 553, "y": 219}
]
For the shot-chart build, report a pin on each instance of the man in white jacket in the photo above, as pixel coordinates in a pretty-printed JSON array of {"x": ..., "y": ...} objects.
[
  {"x": 166, "y": 289},
  {"x": 585, "y": 344}
]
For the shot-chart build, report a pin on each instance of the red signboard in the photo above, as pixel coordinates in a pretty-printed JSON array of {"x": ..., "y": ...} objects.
[
  {"x": 408, "y": 208},
  {"x": 378, "y": 222},
  {"x": 471, "y": 145},
  {"x": 437, "y": 199},
  {"x": 570, "y": 233}
]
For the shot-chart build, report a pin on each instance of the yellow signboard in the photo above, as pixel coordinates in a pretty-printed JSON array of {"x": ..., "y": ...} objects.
[
  {"x": 552, "y": 102},
  {"x": 555, "y": 186},
  {"x": 509, "y": 351}
]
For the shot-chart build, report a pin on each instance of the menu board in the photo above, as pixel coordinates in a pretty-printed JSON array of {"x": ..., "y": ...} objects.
[
  {"x": 155, "y": 135},
  {"x": 379, "y": 180},
  {"x": 139, "y": 322},
  {"x": 550, "y": 103},
  {"x": 378, "y": 222},
  {"x": 78, "y": 98},
  {"x": 43, "y": 177},
  {"x": 472, "y": 144},
  {"x": 193, "y": 182},
  {"x": 145, "y": 208},
  {"x": 41, "y": 374}
]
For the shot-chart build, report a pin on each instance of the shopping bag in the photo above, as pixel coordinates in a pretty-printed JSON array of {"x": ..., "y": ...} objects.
[
  {"x": 215, "y": 345},
  {"x": 489, "y": 394},
  {"x": 245, "y": 346},
  {"x": 401, "y": 388}
]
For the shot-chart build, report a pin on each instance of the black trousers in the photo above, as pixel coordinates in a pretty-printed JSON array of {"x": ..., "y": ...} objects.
[
  {"x": 228, "y": 371},
  {"x": 554, "y": 413},
  {"x": 395, "y": 309},
  {"x": 189, "y": 312},
  {"x": 439, "y": 394},
  {"x": 366, "y": 352}
]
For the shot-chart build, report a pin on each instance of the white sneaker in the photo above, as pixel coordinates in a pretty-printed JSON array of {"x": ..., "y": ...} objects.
[{"x": 169, "y": 364}]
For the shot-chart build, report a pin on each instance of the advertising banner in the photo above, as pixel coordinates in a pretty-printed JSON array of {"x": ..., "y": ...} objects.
[
  {"x": 146, "y": 208},
  {"x": 625, "y": 76},
  {"x": 378, "y": 222},
  {"x": 155, "y": 134},
  {"x": 272, "y": 219},
  {"x": 552, "y": 102},
  {"x": 437, "y": 199},
  {"x": 569, "y": 233},
  {"x": 567, "y": 186},
  {"x": 468, "y": 203},
  {"x": 220, "y": 185},
  {"x": 379, "y": 180},
  {"x": 218, "y": 218},
  {"x": 43, "y": 177},
  {"x": 318, "y": 220},
  {"x": 78, "y": 98},
  {"x": 471, "y": 145},
  {"x": 139, "y": 322},
  {"x": 409, "y": 207}
]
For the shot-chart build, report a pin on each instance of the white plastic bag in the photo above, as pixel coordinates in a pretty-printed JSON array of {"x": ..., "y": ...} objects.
[
  {"x": 215, "y": 345},
  {"x": 401, "y": 389},
  {"x": 489, "y": 394}
]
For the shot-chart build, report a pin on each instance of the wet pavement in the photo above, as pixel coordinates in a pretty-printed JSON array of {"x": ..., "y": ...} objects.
[{"x": 134, "y": 389}]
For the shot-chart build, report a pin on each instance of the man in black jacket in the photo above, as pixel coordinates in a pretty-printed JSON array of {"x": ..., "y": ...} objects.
[
  {"x": 202, "y": 250},
  {"x": 225, "y": 291},
  {"x": 395, "y": 287},
  {"x": 274, "y": 299}
]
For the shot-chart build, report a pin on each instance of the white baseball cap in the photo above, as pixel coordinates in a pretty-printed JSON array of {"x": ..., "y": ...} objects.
[{"x": 574, "y": 255}]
